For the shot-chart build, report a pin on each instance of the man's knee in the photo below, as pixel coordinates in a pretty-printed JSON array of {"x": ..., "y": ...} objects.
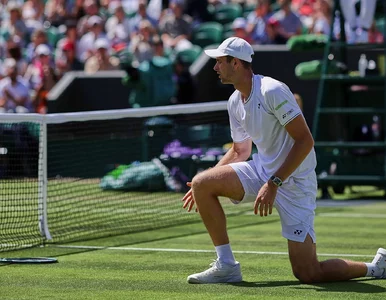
[
  {"x": 201, "y": 182},
  {"x": 307, "y": 274}
]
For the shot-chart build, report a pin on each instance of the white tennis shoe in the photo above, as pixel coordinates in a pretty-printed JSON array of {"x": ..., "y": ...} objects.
[
  {"x": 218, "y": 273},
  {"x": 380, "y": 261}
]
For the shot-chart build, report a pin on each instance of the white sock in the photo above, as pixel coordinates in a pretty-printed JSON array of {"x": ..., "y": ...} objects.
[
  {"x": 225, "y": 254},
  {"x": 373, "y": 270}
]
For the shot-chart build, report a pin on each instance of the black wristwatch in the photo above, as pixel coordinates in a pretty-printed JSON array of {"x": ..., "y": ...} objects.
[{"x": 276, "y": 181}]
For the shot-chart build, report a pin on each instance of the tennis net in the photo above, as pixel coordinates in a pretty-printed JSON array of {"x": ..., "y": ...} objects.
[{"x": 84, "y": 175}]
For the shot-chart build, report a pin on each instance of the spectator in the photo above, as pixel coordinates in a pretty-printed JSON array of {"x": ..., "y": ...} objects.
[
  {"x": 14, "y": 50},
  {"x": 57, "y": 11},
  {"x": 87, "y": 41},
  {"x": 284, "y": 23},
  {"x": 91, "y": 9},
  {"x": 141, "y": 15},
  {"x": 101, "y": 61},
  {"x": 14, "y": 94},
  {"x": 359, "y": 26},
  {"x": 175, "y": 27},
  {"x": 33, "y": 9},
  {"x": 15, "y": 25},
  {"x": 38, "y": 37},
  {"x": 322, "y": 17},
  {"x": 239, "y": 29},
  {"x": 256, "y": 22},
  {"x": 67, "y": 60},
  {"x": 42, "y": 77},
  {"x": 141, "y": 45},
  {"x": 118, "y": 27}
]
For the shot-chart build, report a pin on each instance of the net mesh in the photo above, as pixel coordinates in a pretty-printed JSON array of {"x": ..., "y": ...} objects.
[
  {"x": 113, "y": 174},
  {"x": 19, "y": 185}
]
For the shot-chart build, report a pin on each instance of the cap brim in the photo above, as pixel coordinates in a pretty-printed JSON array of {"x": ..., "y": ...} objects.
[{"x": 214, "y": 53}]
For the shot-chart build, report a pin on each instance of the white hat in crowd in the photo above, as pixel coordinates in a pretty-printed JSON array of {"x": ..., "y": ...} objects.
[
  {"x": 235, "y": 47},
  {"x": 94, "y": 20},
  {"x": 42, "y": 49},
  {"x": 239, "y": 23},
  {"x": 101, "y": 43}
]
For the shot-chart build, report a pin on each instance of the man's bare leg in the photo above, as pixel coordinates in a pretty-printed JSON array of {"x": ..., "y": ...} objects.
[
  {"x": 207, "y": 187},
  {"x": 308, "y": 269}
]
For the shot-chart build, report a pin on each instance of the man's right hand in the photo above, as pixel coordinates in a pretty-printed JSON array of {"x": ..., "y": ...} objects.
[{"x": 188, "y": 199}]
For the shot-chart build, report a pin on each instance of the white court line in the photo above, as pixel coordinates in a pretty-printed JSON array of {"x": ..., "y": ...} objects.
[
  {"x": 337, "y": 215},
  {"x": 195, "y": 250},
  {"x": 351, "y": 215}
]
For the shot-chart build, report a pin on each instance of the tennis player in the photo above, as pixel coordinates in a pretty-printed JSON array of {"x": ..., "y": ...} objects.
[{"x": 263, "y": 111}]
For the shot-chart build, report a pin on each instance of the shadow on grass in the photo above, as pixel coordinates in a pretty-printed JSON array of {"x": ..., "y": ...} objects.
[
  {"x": 263, "y": 284},
  {"x": 352, "y": 286}
]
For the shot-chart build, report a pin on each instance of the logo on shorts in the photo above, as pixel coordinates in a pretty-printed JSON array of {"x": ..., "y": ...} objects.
[{"x": 298, "y": 232}]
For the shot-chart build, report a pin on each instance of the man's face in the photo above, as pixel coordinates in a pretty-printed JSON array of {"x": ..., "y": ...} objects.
[{"x": 224, "y": 69}]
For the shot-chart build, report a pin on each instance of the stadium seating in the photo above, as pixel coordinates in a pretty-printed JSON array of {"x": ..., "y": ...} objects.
[
  {"x": 227, "y": 13},
  {"x": 208, "y": 33},
  {"x": 188, "y": 56}
]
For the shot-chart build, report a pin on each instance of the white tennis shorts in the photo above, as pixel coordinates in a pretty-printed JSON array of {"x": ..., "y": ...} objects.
[{"x": 295, "y": 200}]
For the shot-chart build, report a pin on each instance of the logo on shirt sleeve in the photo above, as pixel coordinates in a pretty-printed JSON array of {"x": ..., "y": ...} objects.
[{"x": 288, "y": 113}]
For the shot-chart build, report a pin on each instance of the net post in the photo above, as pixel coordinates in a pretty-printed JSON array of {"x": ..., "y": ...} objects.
[{"x": 43, "y": 222}]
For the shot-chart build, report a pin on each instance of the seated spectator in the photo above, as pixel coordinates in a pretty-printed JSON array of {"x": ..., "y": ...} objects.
[
  {"x": 141, "y": 15},
  {"x": 141, "y": 45},
  {"x": 14, "y": 50},
  {"x": 86, "y": 44},
  {"x": 283, "y": 24},
  {"x": 175, "y": 27},
  {"x": 42, "y": 77},
  {"x": 15, "y": 24},
  {"x": 14, "y": 94},
  {"x": 101, "y": 61},
  {"x": 67, "y": 60},
  {"x": 322, "y": 17},
  {"x": 57, "y": 11},
  {"x": 239, "y": 29},
  {"x": 118, "y": 26},
  {"x": 256, "y": 22},
  {"x": 90, "y": 9},
  {"x": 38, "y": 37},
  {"x": 33, "y": 9}
]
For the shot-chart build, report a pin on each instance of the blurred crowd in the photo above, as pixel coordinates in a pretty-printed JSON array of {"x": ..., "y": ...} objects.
[{"x": 41, "y": 40}]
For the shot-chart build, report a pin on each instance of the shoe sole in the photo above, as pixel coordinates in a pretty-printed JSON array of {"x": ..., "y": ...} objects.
[{"x": 231, "y": 280}]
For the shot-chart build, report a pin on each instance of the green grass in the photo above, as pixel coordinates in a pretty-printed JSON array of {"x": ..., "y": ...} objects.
[{"x": 127, "y": 274}]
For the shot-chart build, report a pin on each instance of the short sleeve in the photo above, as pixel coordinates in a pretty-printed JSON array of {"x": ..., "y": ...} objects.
[{"x": 282, "y": 103}]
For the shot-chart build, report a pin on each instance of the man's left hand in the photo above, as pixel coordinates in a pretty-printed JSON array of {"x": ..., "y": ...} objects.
[{"x": 265, "y": 199}]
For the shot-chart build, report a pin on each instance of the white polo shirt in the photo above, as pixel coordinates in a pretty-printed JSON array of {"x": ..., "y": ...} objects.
[{"x": 262, "y": 118}]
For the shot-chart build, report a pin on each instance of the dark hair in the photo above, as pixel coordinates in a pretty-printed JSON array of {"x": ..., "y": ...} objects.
[{"x": 246, "y": 65}]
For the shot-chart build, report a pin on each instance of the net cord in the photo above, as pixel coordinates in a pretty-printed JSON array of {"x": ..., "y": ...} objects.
[{"x": 58, "y": 118}]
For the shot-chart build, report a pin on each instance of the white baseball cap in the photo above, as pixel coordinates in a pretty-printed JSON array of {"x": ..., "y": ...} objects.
[
  {"x": 94, "y": 20},
  {"x": 101, "y": 43},
  {"x": 233, "y": 46},
  {"x": 42, "y": 49},
  {"x": 239, "y": 23}
]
